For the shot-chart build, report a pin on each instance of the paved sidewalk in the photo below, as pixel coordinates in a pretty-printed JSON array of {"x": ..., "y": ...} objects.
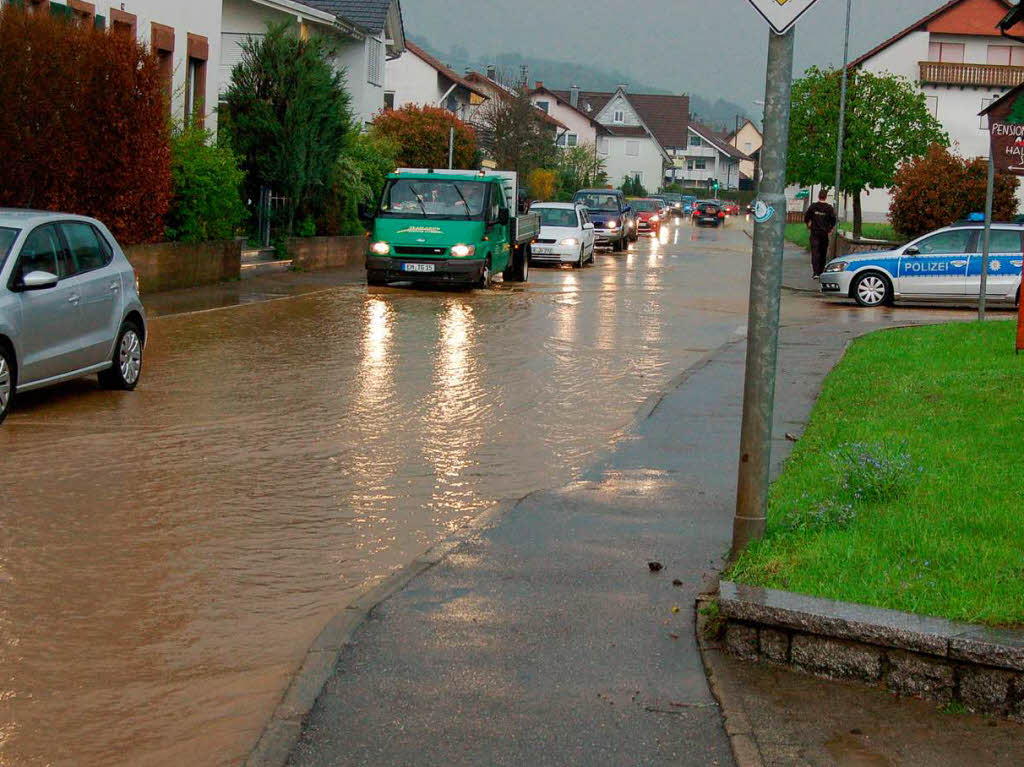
[{"x": 546, "y": 640}]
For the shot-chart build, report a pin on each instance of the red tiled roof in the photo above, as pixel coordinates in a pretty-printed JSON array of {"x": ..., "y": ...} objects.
[
  {"x": 497, "y": 89},
  {"x": 917, "y": 25},
  {"x": 448, "y": 72},
  {"x": 719, "y": 140}
]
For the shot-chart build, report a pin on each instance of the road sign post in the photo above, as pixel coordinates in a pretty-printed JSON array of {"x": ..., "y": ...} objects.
[{"x": 766, "y": 279}]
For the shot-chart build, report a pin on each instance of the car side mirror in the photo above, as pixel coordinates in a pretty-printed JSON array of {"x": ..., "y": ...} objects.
[
  {"x": 38, "y": 281},
  {"x": 588, "y": 226},
  {"x": 913, "y": 250},
  {"x": 503, "y": 216}
]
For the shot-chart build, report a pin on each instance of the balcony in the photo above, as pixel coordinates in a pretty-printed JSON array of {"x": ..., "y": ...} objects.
[{"x": 971, "y": 75}]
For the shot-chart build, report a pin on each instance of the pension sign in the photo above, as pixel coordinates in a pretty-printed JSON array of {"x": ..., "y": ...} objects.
[
  {"x": 1006, "y": 126},
  {"x": 782, "y": 14}
]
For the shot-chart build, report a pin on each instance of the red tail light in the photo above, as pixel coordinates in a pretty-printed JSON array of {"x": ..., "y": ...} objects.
[{"x": 721, "y": 214}]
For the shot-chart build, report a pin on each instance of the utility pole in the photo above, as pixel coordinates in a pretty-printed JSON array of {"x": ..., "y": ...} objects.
[
  {"x": 842, "y": 125},
  {"x": 765, "y": 299},
  {"x": 451, "y": 148}
]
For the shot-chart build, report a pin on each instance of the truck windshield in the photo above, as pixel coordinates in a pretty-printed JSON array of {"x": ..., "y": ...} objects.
[
  {"x": 598, "y": 201},
  {"x": 433, "y": 198}
]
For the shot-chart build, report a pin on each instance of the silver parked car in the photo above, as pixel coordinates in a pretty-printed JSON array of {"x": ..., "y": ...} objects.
[{"x": 69, "y": 304}]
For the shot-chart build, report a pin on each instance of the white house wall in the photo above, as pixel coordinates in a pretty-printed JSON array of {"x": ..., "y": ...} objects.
[
  {"x": 619, "y": 166},
  {"x": 573, "y": 120},
  {"x": 198, "y": 17}
]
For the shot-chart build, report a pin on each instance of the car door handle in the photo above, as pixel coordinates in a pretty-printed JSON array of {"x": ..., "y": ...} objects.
[
  {"x": 114, "y": 286},
  {"x": 74, "y": 300},
  {"x": 959, "y": 264}
]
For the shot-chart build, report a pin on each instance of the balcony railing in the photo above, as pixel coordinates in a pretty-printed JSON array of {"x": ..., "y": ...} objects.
[{"x": 980, "y": 75}]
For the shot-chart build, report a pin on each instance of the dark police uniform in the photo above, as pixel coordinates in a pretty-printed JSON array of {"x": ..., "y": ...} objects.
[{"x": 821, "y": 218}]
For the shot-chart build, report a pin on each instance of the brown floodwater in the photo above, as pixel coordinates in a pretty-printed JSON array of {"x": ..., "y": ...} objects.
[{"x": 168, "y": 555}]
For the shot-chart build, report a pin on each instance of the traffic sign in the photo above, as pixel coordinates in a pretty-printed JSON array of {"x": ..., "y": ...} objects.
[{"x": 782, "y": 14}]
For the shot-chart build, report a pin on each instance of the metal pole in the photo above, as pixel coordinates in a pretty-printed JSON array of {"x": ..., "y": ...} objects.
[
  {"x": 842, "y": 125},
  {"x": 986, "y": 248},
  {"x": 451, "y": 148},
  {"x": 765, "y": 300}
]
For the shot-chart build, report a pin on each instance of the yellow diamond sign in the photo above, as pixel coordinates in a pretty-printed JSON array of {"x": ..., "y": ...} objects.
[{"x": 782, "y": 14}]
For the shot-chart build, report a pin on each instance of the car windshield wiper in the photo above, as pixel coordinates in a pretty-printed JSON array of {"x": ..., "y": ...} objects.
[
  {"x": 459, "y": 193},
  {"x": 419, "y": 199}
]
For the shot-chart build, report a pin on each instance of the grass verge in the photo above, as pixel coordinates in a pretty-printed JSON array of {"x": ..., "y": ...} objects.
[
  {"x": 798, "y": 234},
  {"x": 905, "y": 491}
]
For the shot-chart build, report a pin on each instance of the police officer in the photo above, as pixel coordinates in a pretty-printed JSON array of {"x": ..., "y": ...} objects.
[{"x": 821, "y": 220}]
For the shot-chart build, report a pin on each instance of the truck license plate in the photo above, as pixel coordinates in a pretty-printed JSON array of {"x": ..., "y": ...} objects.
[{"x": 418, "y": 267}]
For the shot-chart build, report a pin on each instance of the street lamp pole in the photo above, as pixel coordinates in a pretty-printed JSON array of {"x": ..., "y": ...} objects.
[
  {"x": 765, "y": 300},
  {"x": 842, "y": 124}
]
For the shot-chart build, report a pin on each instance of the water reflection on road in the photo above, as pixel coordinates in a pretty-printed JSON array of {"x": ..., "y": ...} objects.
[{"x": 167, "y": 556}]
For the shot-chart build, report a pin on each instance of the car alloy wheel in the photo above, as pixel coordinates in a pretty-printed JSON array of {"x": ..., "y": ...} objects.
[
  {"x": 6, "y": 385},
  {"x": 130, "y": 357},
  {"x": 871, "y": 290}
]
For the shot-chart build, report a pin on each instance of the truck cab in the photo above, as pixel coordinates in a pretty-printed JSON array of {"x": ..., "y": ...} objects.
[{"x": 449, "y": 227}]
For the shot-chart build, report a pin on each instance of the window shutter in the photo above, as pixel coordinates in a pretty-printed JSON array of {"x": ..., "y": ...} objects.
[
  {"x": 61, "y": 11},
  {"x": 101, "y": 22}
]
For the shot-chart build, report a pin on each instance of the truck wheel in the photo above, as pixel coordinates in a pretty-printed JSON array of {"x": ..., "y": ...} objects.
[
  {"x": 519, "y": 265},
  {"x": 376, "y": 278},
  {"x": 485, "y": 277}
]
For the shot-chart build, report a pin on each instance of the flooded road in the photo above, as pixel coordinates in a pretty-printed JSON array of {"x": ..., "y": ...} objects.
[{"x": 167, "y": 556}]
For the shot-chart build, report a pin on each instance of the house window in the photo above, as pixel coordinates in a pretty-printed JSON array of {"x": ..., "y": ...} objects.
[
  {"x": 195, "y": 78},
  {"x": 699, "y": 164},
  {"x": 573, "y": 139},
  {"x": 375, "y": 70},
  {"x": 123, "y": 23},
  {"x": 695, "y": 141},
  {"x": 560, "y": 141},
  {"x": 983, "y": 120},
  {"x": 83, "y": 12},
  {"x": 632, "y": 148},
  {"x": 952, "y": 53},
  {"x": 543, "y": 106},
  {"x": 602, "y": 145},
  {"x": 389, "y": 101},
  {"x": 619, "y": 116},
  {"x": 1006, "y": 55},
  {"x": 933, "y": 105},
  {"x": 162, "y": 39}
]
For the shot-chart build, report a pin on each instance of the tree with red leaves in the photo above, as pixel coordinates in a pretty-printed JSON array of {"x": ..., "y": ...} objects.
[
  {"x": 85, "y": 126},
  {"x": 422, "y": 135}
]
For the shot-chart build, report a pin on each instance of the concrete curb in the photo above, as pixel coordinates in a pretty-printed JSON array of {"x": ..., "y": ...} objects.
[
  {"x": 738, "y": 729},
  {"x": 282, "y": 732}
]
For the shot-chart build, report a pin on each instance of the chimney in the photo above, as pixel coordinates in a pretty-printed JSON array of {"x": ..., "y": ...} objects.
[
  {"x": 539, "y": 85},
  {"x": 492, "y": 72},
  {"x": 574, "y": 96}
]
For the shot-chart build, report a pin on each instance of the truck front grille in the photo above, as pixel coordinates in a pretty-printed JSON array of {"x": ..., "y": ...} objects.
[{"x": 413, "y": 250}]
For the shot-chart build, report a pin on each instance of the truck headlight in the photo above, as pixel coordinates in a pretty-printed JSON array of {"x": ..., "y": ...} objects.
[
  {"x": 613, "y": 224},
  {"x": 837, "y": 266},
  {"x": 462, "y": 251},
  {"x": 570, "y": 242},
  {"x": 380, "y": 248}
]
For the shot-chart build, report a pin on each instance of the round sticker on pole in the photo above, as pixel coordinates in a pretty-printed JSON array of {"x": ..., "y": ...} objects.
[{"x": 763, "y": 212}]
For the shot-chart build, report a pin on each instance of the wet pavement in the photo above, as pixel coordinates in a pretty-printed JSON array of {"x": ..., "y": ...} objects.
[{"x": 169, "y": 555}]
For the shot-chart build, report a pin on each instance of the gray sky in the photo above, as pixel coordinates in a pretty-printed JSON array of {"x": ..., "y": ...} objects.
[{"x": 709, "y": 47}]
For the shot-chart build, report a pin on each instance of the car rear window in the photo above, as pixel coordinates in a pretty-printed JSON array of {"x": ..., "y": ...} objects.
[{"x": 7, "y": 238}]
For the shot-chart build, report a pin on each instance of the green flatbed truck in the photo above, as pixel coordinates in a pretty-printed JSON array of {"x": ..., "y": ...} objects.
[{"x": 455, "y": 227}]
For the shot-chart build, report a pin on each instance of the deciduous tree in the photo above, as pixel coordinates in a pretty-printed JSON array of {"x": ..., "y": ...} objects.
[
  {"x": 887, "y": 123},
  {"x": 422, "y": 134},
  {"x": 519, "y": 137}
]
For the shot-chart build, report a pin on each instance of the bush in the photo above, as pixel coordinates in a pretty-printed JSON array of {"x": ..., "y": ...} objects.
[
  {"x": 85, "y": 125},
  {"x": 542, "y": 184},
  {"x": 632, "y": 187},
  {"x": 356, "y": 185},
  {"x": 935, "y": 190},
  {"x": 207, "y": 204},
  {"x": 421, "y": 135}
]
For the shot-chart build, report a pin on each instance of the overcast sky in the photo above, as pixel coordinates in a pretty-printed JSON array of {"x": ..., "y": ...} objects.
[{"x": 710, "y": 47}]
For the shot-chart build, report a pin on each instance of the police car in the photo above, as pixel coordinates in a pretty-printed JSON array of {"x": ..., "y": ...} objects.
[{"x": 944, "y": 265}]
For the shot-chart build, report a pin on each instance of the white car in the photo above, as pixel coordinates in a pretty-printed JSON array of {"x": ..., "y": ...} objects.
[
  {"x": 944, "y": 265},
  {"x": 566, "y": 234}
]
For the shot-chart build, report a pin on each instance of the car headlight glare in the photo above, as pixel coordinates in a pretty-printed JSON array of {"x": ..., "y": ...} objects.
[
  {"x": 462, "y": 251},
  {"x": 655, "y": 219},
  {"x": 613, "y": 224},
  {"x": 837, "y": 266},
  {"x": 570, "y": 242},
  {"x": 380, "y": 248}
]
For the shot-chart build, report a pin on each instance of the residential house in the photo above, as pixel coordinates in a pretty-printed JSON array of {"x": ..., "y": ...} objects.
[
  {"x": 748, "y": 139},
  {"x": 185, "y": 35},
  {"x": 582, "y": 128},
  {"x": 708, "y": 157},
  {"x": 416, "y": 77},
  {"x": 958, "y": 59},
  {"x": 364, "y": 33},
  {"x": 643, "y": 131}
]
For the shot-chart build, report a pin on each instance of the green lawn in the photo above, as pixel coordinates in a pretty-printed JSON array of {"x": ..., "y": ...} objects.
[
  {"x": 939, "y": 529},
  {"x": 798, "y": 234}
]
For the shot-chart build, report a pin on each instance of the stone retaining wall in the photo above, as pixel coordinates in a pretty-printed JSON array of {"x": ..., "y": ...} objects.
[
  {"x": 848, "y": 246},
  {"x": 929, "y": 658},
  {"x": 171, "y": 265},
  {"x": 313, "y": 253}
]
